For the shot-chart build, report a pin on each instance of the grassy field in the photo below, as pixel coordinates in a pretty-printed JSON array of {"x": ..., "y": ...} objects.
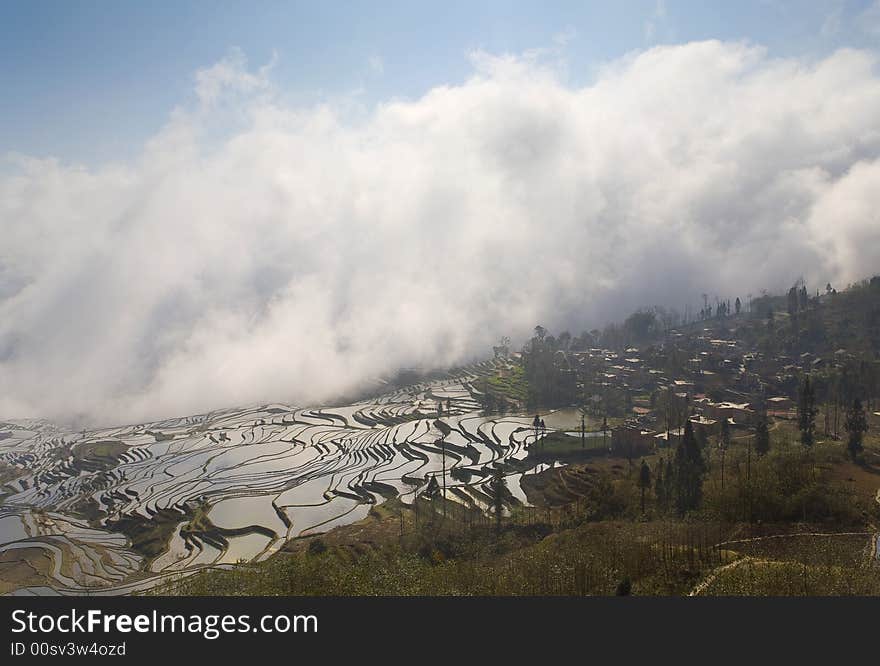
[
  {"x": 561, "y": 445},
  {"x": 751, "y": 577},
  {"x": 796, "y": 521},
  {"x": 100, "y": 455},
  {"x": 511, "y": 385},
  {"x": 595, "y": 558}
]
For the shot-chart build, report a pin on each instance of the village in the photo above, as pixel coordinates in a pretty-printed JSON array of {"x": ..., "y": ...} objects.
[{"x": 707, "y": 372}]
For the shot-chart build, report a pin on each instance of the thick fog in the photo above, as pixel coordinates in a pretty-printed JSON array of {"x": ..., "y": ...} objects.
[{"x": 261, "y": 251}]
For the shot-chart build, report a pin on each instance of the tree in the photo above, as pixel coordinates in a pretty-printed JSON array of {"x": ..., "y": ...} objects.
[
  {"x": 762, "y": 432},
  {"x": 584, "y": 411},
  {"x": 432, "y": 490},
  {"x": 702, "y": 438},
  {"x": 644, "y": 481},
  {"x": 856, "y": 426},
  {"x": 488, "y": 402},
  {"x": 502, "y": 349},
  {"x": 536, "y": 424},
  {"x": 806, "y": 412},
  {"x": 640, "y": 326},
  {"x": 317, "y": 546},
  {"x": 792, "y": 301},
  {"x": 689, "y": 470},
  {"x": 723, "y": 443},
  {"x": 564, "y": 340},
  {"x": 550, "y": 377},
  {"x": 498, "y": 486},
  {"x": 738, "y": 305},
  {"x": 659, "y": 485}
]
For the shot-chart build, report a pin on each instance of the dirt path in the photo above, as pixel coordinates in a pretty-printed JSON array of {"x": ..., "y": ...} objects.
[
  {"x": 875, "y": 540},
  {"x": 791, "y": 535},
  {"x": 712, "y": 577},
  {"x": 773, "y": 425}
]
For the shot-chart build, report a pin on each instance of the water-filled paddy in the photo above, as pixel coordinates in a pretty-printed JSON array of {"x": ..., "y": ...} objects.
[{"x": 235, "y": 484}]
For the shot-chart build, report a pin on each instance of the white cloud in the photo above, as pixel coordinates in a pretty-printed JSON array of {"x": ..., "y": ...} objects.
[
  {"x": 230, "y": 75},
  {"x": 301, "y": 253}
]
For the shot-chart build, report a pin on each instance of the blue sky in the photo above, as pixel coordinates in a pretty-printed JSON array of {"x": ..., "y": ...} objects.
[{"x": 90, "y": 81}]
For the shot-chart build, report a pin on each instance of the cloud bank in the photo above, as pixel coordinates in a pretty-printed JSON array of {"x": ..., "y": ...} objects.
[{"x": 258, "y": 251}]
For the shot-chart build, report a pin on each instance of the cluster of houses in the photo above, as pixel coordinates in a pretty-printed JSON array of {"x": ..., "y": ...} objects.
[
  {"x": 706, "y": 376},
  {"x": 701, "y": 378}
]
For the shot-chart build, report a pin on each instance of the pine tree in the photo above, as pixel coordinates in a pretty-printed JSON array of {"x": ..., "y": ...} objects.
[
  {"x": 856, "y": 426},
  {"x": 689, "y": 470},
  {"x": 723, "y": 443},
  {"x": 806, "y": 412},
  {"x": 762, "y": 433}
]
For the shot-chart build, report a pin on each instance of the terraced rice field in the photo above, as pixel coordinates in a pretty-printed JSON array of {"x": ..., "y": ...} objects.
[{"x": 116, "y": 510}]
